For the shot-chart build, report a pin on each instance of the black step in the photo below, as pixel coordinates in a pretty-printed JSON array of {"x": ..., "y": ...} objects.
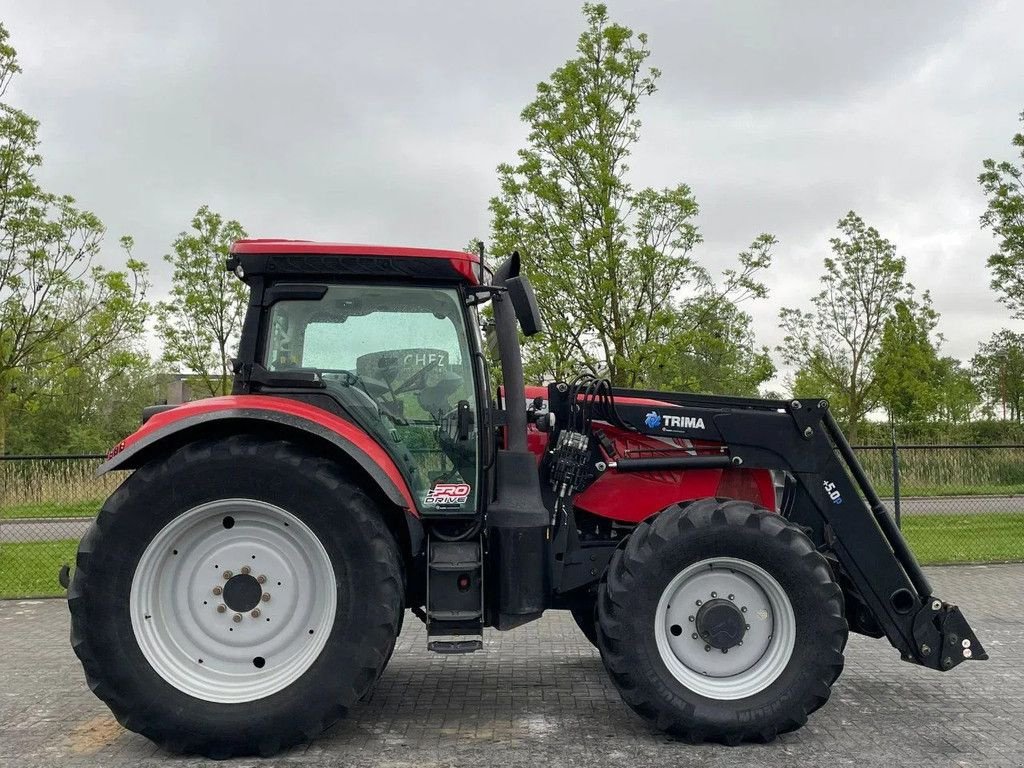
[
  {"x": 455, "y": 606},
  {"x": 466, "y": 566},
  {"x": 454, "y": 615},
  {"x": 455, "y": 646}
]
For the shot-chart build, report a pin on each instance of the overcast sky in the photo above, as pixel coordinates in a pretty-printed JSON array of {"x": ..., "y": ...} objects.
[{"x": 383, "y": 122}]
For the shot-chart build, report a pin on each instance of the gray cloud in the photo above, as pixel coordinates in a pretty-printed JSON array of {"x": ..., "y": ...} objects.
[{"x": 384, "y": 122}]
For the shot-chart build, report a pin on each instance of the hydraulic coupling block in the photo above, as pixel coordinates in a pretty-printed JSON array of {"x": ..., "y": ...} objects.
[{"x": 571, "y": 463}]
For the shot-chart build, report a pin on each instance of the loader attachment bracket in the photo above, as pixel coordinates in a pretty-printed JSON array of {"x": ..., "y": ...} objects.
[{"x": 944, "y": 638}]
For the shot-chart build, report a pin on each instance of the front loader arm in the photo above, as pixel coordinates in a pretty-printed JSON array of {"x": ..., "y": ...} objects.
[{"x": 835, "y": 502}]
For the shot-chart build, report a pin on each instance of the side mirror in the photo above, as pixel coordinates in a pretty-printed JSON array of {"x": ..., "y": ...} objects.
[{"x": 524, "y": 302}]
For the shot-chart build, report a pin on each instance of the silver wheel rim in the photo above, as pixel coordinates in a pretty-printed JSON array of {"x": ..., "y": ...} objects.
[
  {"x": 180, "y": 593},
  {"x": 767, "y": 644}
]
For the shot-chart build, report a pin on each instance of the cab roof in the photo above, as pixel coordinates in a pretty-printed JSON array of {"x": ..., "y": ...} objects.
[{"x": 306, "y": 258}]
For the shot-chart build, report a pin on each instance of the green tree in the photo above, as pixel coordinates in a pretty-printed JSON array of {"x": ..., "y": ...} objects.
[
  {"x": 201, "y": 323},
  {"x": 51, "y": 290},
  {"x": 999, "y": 374},
  {"x": 712, "y": 351},
  {"x": 87, "y": 408},
  {"x": 907, "y": 363},
  {"x": 834, "y": 345},
  {"x": 957, "y": 395},
  {"x": 1003, "y": 183},
  {"x": 609, "y": 263}
]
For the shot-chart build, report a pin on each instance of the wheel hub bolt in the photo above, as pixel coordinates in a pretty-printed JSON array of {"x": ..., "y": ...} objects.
[
  {"x": 714, "y": 594},
  {"x": 732, "y": 597},
  {"x": 743, "y": 608},
  {"x": 699, "y": 602},
  {"x": 746, "y": 626},
  {"x": 227, "y": 574},
  {"x": 236, "y": 618},
  {"x": 255, "y": 613},
  {"x": 707, "y": 648},
  {"x": 221, "y": 608},
  {"x": 266, "y": 597},
  {"x": 261, "y": 579},
  {"x": 725, "y": 650},
  {"x": 691, "y": 618},
  {"x": 217, "y": 590},
  {"x": 694, "y": 635},
  {"x": 246, "y": 569}
]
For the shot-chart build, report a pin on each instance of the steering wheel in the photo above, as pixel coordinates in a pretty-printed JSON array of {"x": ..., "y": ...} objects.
[{"x": 417, "y": 378}]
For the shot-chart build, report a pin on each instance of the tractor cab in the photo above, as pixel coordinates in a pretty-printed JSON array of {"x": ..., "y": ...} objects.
[
  {"x": 398, "y": 360},
  {"x": 388, "y": 338}
]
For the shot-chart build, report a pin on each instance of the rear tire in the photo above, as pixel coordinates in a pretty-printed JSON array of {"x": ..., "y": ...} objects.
[
  {"x": 193, "y": 556},
  {"x": 721, "y": 557}
]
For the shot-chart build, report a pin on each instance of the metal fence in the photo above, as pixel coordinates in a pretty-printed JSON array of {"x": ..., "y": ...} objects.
[{"x": 955, "y": 503}]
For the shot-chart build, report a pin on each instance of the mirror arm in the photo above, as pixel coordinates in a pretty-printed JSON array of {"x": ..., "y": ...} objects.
[{"x": 478, "y": 294}]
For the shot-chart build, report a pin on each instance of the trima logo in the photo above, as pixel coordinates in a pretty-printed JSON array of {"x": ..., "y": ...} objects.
[
  {"x": 445, "y": 494},
  {"x": 684, "y": 422},
  {"x": 655, "y": 420}
]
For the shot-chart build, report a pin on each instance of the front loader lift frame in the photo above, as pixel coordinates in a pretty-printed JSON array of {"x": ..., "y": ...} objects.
[{"x": 828, "y": 494}]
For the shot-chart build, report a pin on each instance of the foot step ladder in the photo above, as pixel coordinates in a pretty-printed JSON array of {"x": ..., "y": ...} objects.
[{"x": 455, "y": 596}]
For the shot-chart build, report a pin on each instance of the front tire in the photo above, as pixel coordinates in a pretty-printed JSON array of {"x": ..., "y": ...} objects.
[
  {"x": 235, "y": 598},
  {"x": 719, "y": 621},
  {"x": 584, "y": 613}
]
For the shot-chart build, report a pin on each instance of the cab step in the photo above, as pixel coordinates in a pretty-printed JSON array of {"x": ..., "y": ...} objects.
[
  {"x": 454, "y": 646},
  {"x": 455, "y": 596}
]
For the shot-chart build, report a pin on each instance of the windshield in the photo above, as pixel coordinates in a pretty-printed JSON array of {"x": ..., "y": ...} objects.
[{"x": 397, "y": 358}]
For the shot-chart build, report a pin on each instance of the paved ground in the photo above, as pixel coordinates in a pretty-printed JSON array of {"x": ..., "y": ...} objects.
[
  {"x": 958, "y": 505},
  {"x": 44, "y": 529},
  {"x": 48, "y": 529},
  {"x": 538, "y": 696}
]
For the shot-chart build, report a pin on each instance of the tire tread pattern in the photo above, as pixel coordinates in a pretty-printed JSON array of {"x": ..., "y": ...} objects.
[
  {"x": 320, "y": 712},
  {"x": 617, "y": 638}
]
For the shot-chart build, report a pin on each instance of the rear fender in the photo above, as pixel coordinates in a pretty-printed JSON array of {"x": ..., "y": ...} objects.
[{"x": 167, "y": 430}]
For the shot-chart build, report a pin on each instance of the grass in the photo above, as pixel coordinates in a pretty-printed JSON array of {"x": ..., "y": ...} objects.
[
  {"x": 29, "y": 569},
  {"x": 942, "y": 471},
  {"x": 980, "y": 538},
  {"x": 87, "y": 508},
  {"x": 53, "y": 487}
]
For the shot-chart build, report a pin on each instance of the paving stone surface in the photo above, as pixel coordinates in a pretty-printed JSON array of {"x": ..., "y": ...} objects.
[{"x": 539, "y": 696}]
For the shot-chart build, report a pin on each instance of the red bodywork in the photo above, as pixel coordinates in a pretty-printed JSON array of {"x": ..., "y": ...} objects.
[
  {"x": 627, "y": 498},
  {"x": 466, "y": 264},
  {"x": 282, "y": 405},
  {"x": 635, "y": 496}
]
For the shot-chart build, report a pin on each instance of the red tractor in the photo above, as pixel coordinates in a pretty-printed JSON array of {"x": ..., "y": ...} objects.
[{"x": 246, "y": 583}]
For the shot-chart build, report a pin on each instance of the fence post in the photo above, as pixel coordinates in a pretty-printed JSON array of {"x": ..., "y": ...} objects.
[{"x": 895, "y": 477}]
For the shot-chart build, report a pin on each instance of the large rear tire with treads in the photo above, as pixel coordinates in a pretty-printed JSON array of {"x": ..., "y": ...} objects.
[{"x": 235, "y": 597}]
